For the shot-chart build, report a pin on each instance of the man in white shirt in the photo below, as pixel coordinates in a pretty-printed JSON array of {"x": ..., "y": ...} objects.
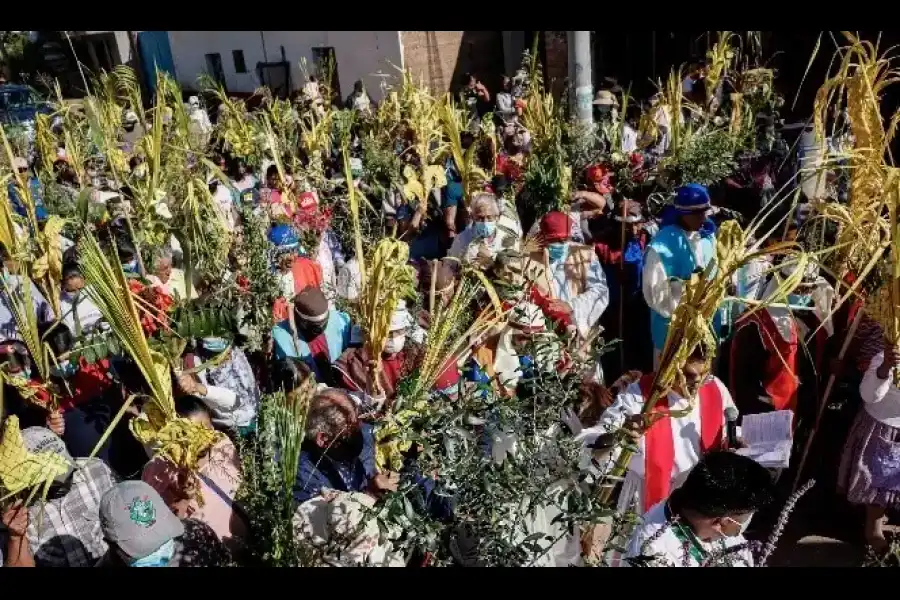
[
  {"x": 224, "y": 202},
  {"x": 685, "y": 425},
  {"x": 199, "y": 121},
  {"x": 79, "y": 313},
  {"x": 488, "y": 234},
  {"x": 504, "y": 100},
  {"x": 703, "y": 521},
  {"x": 167, "y": 278},
  {"x": 685, "y": 243}
]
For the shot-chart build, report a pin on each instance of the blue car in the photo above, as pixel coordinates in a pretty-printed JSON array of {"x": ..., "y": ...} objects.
[{"x": 20, "y": 105}]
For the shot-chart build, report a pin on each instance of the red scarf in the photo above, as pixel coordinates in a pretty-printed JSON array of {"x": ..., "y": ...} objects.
[
  {"x": 306, "y": 273},
  {"x": 659, "y": 445},
  {"x": 779, "y": 377},
  {"x": 89, "y": 382}
]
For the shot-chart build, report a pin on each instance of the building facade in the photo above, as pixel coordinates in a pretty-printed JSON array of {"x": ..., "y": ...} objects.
[{"x": 244, "y": 60}]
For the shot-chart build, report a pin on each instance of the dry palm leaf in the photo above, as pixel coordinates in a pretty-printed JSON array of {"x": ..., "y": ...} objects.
[
  {"x": 867, "y": 227},
  {"x": 21, "y": 470},
  {"x": 175, "y": 438},
  {"x": 473, "y": 177},
  {"x": 389, "y": 279}
]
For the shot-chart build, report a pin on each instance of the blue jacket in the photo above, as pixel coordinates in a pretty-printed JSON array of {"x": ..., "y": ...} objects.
[
  {"x": 337, "y": 333},
  {"x": 316, "y": 472},
  {"x": 671, "y": 244}
]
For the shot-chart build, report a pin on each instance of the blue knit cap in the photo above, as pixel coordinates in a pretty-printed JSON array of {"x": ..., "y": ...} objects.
[
  {"x": 690, "y": 198},
  {"x": 283, "y": 237}
]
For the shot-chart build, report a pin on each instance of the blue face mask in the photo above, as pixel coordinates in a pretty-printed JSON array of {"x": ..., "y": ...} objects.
[
  {"x": 557, "y": 252},
  {"x": 799, "y": 300},
  {"x": 214, "y": 344},
  {"x": 65, "y": 369},
  {"x": 160, "y": 558},
  {"x": 484, "y": 229},
  {"x": 130, "y": 267}
]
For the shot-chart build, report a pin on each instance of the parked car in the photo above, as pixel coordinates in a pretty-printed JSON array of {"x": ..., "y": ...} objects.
[{"x": 20, "y": 104}]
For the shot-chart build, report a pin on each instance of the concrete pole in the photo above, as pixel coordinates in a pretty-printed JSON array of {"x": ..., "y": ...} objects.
[{"x": 581, "y": 88}]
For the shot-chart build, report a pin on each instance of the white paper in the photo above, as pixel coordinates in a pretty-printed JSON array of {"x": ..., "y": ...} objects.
[{"x": 769, "y": 438}]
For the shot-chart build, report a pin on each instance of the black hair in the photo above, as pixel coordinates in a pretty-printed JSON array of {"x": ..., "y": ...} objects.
[
  {"x": 125, "y": 249},
  {"x": 187, "y": 406},
  {"x": 288, "y": 374},
  {"x": 724, "y": 483},
  {"x": 500, "y": 184},
  {"x": 698, "y": 353},
  {"x": 71, "y": 269},
  {"x": 465, "y": 78},
  {"x": 272, "y": 170},
  {"x": 59, "y": 339},
  {"x": 466, "y": 139}
]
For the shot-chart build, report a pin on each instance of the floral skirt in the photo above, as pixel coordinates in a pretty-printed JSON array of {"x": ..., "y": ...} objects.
[{"x": 870, "y": 465}]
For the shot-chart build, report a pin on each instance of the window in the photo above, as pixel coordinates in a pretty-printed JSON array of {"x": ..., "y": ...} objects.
[
  {"x": 239, "y": 65},
  {"x": 214, "y": 67}
]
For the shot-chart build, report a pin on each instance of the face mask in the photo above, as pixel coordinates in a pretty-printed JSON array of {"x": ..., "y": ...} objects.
[
  {"x": 557, "y": 252},
  {"x": 347, "y": 448},
  {"x": 214, "y": 344},
  {"x": 484, "y": 229},
  {"x": 160, "y": 558},
  {"x": 394, "y": 344},
  {"x": 743, "y": 527},
  {"x": 799, "y": 300},
  {"x": 65, "y": 369},
  {"x": 130, "y": 267},
  {"x": 311, "y": 330}
]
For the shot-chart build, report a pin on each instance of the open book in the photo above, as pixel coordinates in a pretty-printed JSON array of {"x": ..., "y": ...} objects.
[{"x": 768, "y": 437}]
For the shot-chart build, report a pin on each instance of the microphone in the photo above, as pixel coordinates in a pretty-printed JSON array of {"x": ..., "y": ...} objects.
[{"x": 731, "y": 417}]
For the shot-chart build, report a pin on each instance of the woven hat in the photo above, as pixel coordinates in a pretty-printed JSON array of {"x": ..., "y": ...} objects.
[
  {"x": 605, "y": 98},
  {"x": 634, "y": 212}
]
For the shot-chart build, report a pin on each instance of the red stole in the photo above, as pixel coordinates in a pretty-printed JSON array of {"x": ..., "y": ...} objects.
[
  {"x": 780, "y": 378},
  {"x": 659, "y": 445},
  {"x": 306, "y": 273}
]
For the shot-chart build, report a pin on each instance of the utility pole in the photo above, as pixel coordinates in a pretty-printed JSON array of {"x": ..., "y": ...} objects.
[{"x": 581, "y": 88}]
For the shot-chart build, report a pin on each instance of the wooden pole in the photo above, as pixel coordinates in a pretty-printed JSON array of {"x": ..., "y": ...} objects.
[{"x": 622, "y": 293}]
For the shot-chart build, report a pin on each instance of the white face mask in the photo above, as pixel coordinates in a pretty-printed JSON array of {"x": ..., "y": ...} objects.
[
  {"x": 395, "y": 344},
  {"x": 743, "y": 526}
]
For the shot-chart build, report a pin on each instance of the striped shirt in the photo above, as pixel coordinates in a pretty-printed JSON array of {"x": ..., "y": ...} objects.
[{"x": 65, "y": 531}]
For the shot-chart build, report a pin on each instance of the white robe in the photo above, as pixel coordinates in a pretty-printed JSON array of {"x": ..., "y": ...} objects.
[
  {"x": 661, "y": 294},
  {"x": 588, "y": 306},
  {"x": 685, "y": 435}
]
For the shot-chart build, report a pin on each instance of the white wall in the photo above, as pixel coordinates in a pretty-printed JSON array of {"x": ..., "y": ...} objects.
[{"x": 359, "y": 54}]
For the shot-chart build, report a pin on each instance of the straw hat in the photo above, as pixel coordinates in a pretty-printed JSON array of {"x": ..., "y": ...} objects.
[{"x": 605, "y": 98}]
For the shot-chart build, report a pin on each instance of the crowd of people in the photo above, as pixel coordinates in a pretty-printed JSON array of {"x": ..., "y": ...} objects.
[{"x": 582, "y": 287}]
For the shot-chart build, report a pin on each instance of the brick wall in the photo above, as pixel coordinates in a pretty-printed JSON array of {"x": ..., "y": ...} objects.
[{"x": 441, "y": 57}]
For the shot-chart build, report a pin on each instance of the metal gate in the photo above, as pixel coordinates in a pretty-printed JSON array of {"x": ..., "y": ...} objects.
[{"x": 276, "y": 76}]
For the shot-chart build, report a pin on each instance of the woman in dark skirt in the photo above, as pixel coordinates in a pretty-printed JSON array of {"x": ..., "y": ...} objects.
[{"x": 870, "y": 467}]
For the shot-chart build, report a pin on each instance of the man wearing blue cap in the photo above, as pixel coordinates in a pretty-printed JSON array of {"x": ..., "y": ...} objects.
[{"x": 685, "y": 243}]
